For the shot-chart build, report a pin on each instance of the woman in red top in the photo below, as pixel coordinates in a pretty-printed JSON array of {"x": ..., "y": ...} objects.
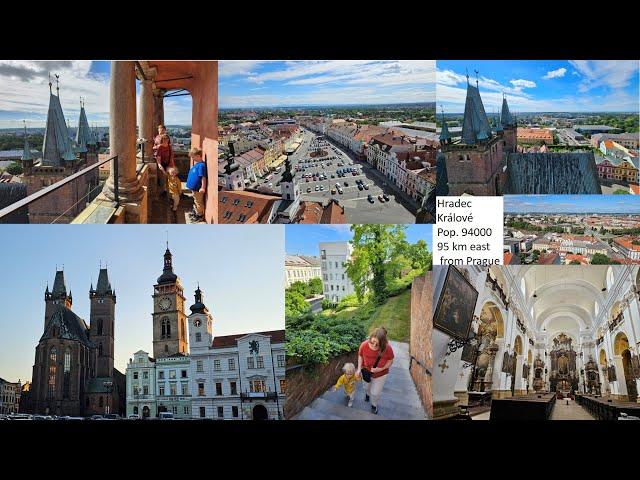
[{"x": 377, "y": 351}]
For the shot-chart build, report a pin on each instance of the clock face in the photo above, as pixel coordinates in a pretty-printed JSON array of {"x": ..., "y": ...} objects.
[
  {"x": 165, "y": 303},
  {"x": 197, "y": 322}
]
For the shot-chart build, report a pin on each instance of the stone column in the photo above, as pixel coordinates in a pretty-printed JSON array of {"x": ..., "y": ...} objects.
[
  {"x": 158, "y": 109},
  {"x": 621, "y": 381},
  {"x": 518, "y": 384},
  {"x": 145, "y": 118},
  {"x": 122, "y": 132}
]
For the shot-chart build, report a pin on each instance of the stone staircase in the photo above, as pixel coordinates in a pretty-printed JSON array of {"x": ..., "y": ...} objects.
[{"x": 399, "y": 400}]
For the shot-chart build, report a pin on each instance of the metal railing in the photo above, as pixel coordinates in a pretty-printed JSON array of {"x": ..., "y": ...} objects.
[{"x": 40, "y": 194}]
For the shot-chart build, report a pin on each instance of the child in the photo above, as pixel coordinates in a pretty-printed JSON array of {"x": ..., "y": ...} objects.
[
  {"x": 164, "y": 158},
  {"x": 348, "y": 381},
  {"x": 197, "y": 182},
  {"x": 175, "y": 186}
]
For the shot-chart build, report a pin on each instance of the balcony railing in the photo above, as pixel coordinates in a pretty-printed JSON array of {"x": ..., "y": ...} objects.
[
  {"x": 254, "y": 395},
  {"x": 54, "y": 213}
]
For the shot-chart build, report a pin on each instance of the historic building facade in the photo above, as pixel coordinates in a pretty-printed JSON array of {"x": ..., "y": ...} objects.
[
  {"x": 141, "y": 386},
  {"x": 333, "y": 257},
  {"x": 235, "y": 377},
  {"x": 173, "y": 394},
  {"x": 73, "y": 372}
]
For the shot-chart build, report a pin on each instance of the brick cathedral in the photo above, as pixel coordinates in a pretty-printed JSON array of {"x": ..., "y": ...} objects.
[{"x": 73, "y": 372}]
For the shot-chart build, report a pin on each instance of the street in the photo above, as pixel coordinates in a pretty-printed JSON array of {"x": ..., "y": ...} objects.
[{"x": 358, "y": 209}]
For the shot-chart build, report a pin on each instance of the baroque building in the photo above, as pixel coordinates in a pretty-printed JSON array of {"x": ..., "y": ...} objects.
[
  {"x": 526, "y": 341},
  {"x": 73, "y": 372}
]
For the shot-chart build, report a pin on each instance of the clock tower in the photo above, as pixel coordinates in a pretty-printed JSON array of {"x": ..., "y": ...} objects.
[
  {"x": 200, "y": 325},
  {"x": 169, "y": 319}
]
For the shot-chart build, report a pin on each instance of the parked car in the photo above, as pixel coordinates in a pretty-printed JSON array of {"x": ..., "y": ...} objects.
[
  {"x": 366, "y": 187},
  {"x": 385, "y": 196},
  {"x": 360, "y": 187},
  {"x": 346, "y": 184},
  {"x": 134, "y": 416},
  {"x": 381, "y": 198},
  {"x": 165, "y": 416},
  {"x": 370, "y": 198},
  {"x": 308, "y": 188}
]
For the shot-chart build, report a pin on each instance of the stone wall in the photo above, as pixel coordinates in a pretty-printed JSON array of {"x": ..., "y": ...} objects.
[
  {"x": 420, "y": 339},
  {"x": 305, "y": 384}
]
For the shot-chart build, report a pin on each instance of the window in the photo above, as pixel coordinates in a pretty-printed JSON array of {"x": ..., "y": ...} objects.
[
  {"x": 51, "y": 383},
  {"x": 234, "y": 411},
  {"x": 199, "y": 366},
  {"x": 202, "y": 409},
  {"x": 218, "y": 388},
  {"x": 224, "y": 200},
  {"x": 233, "y": 387},
  {"x": 161, "y": 375},
  {"x": 257, "y": 386},
  {"x": 136, "y": 391},
  {"x": 135, "y": 375},
  {"x": 172, "y": 374},
  {"x": 184, "y": 388},
  {"x": 100, "y": 327},
  {"x": 145, "y": 375},
  {"x": 145, "y": 389},
  {"x": 249, "y": 204},
  {"x": 228, "y": 214},
  {"x": 166, "y": 349},
  {"x": 161, "y": 390},
  {"x": 260, "y": 362},
  {"x": 236, "y": 201},
  {"x": 220, "y": 412},
  {"x": 201, "y": 390},
  {"x": 101, "y": 402},
  {"x": 172, "y": 388},
  {"x": 250, "y": 362},
  {"x": 166, "y": 328},
  {"x": 216, "y": 365},
  {"x": 282, "y": 386},
  {"x": 135, "y": 410},
  {"x": 281, "y": 360},
  {"x": 185, "y": 410},
  {"x": 242, "y": 217},
  {"x": 232, "y": 364},
  {"x": 174, "y": 409},
  {"x": 198, "y": 337},
  {"x": 183, "y": 374}
]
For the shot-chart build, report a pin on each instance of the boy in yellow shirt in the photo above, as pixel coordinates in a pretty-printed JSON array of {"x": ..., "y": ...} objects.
[
  {"x": 347, "y": 381},
  {"x": 175, "y": 186}
]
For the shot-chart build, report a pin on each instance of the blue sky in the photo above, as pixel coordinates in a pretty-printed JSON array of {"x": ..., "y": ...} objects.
[
  {"x": 304, "y": 239},
  {"x": 24, "y": 93},
  {"x": 542, "y": 85},
  {"x": 240, "y": 271},
  {"x": 260, "y": 83},
  {"x": 572, "y": 203}
]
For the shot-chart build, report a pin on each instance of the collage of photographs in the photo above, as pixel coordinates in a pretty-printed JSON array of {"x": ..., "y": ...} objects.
[{"x": 309, "y": 290}]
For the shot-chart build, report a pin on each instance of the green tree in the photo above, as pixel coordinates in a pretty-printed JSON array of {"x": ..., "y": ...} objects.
[
  {"x": 374, "y": 249},
  {"x": 14, "y": 168},
  {"x": 315, "y": 286},
  {"x": 600, "y": 259},
  {"x": 295, "y": 304}
]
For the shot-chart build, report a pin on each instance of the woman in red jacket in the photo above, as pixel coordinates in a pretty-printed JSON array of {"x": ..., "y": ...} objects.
[{"x": 375, "y": 356}]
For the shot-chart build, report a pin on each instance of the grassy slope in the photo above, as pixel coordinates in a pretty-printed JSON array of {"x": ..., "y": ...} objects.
[{"x": 394, "y": 314}]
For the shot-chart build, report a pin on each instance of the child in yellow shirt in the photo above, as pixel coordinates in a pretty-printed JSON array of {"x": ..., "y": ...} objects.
[
  {"x": 347, "y": 381},
  {"x": 175, "y": 186}
]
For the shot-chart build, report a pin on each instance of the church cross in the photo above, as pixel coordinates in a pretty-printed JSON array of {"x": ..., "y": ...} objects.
[{"x": 443, "y": 365}]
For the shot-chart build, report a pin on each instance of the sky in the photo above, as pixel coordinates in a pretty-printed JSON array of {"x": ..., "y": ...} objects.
[
  {"x": 542, "y": 85},
  {"x": 572, "y": 203},
  {"x": 268, "y": 83},
  {"x": 24, "y": 93},
  {"x": 304, "y": 239},
  {"x": 242, "y": 284}
]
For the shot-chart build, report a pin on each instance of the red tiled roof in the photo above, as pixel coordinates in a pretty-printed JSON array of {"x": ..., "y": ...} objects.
[
  {"x": 333, "y": 213},
  {"x": 626, "y": 242},
  {"x": 243, "y": 207},
  {"x": 277, "y": 336},
  {"x": 547, "y": 258}
]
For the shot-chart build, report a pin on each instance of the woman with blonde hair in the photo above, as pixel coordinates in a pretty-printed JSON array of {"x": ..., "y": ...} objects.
[{"x": 375, "y": 357}]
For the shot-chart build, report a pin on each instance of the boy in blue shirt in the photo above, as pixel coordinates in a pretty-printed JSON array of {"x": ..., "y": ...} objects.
[{"x": 197, "y": 183}]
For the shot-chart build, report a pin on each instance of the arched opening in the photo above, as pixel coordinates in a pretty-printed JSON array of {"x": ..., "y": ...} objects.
[
  {"x": 621, "y": 347},
  {"x": 260, "y": 413},
  {"x": 146, "y": 413},
  {"x": 135, "y": 410}
]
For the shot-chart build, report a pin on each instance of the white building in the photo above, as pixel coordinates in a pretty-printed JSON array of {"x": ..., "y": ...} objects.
[
  {"x": 301, "y": 269},
  {"x": 235, "y": 377},
  {"x": 173, "y": 394},
  {"x": 141, "y": 384},
  {"x": 333, "y": 257},
  {"x": 9, "y": 397}
]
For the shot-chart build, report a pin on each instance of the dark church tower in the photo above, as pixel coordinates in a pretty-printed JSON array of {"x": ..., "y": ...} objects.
[
  {"x": 102, "y": 323},
  {"x": 509, "y": 127},
  {"x": 57, "y": 296}
]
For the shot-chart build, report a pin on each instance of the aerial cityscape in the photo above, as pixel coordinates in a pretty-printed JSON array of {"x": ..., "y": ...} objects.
[
  {"x": 568, "y": 128},
  {"x": 313, "y": 148},
  {"x": 571, "y": 230}
]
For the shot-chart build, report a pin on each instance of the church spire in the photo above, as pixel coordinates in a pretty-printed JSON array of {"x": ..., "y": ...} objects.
[
  {"x": 103, "y": 287},
  {"x": 199, "y": 306},
  {"x": 506, "y": 118},
  {"x": 26, "y": 153},
  {"x": 475, "y": 124},
  {"x": 56, "y": 148},
  {"x": 167, "y": 273},
  {"x": 445, "y": 136}
]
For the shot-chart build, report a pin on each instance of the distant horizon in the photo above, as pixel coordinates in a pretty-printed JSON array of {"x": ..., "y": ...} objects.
[
  {"x": 325, "y": 105},
  {"x": 572, "y": 204}
]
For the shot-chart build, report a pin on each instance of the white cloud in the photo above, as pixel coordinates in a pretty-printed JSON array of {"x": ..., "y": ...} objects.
[
  {"x": 558, "y": 73},
  {"x": 613, "y": 74},
  {"x": 230, "y": 68},
  {"x": 521, "y": 84}
]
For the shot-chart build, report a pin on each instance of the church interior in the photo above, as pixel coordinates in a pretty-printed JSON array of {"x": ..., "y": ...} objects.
[{"x": 536, "y": 342}]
